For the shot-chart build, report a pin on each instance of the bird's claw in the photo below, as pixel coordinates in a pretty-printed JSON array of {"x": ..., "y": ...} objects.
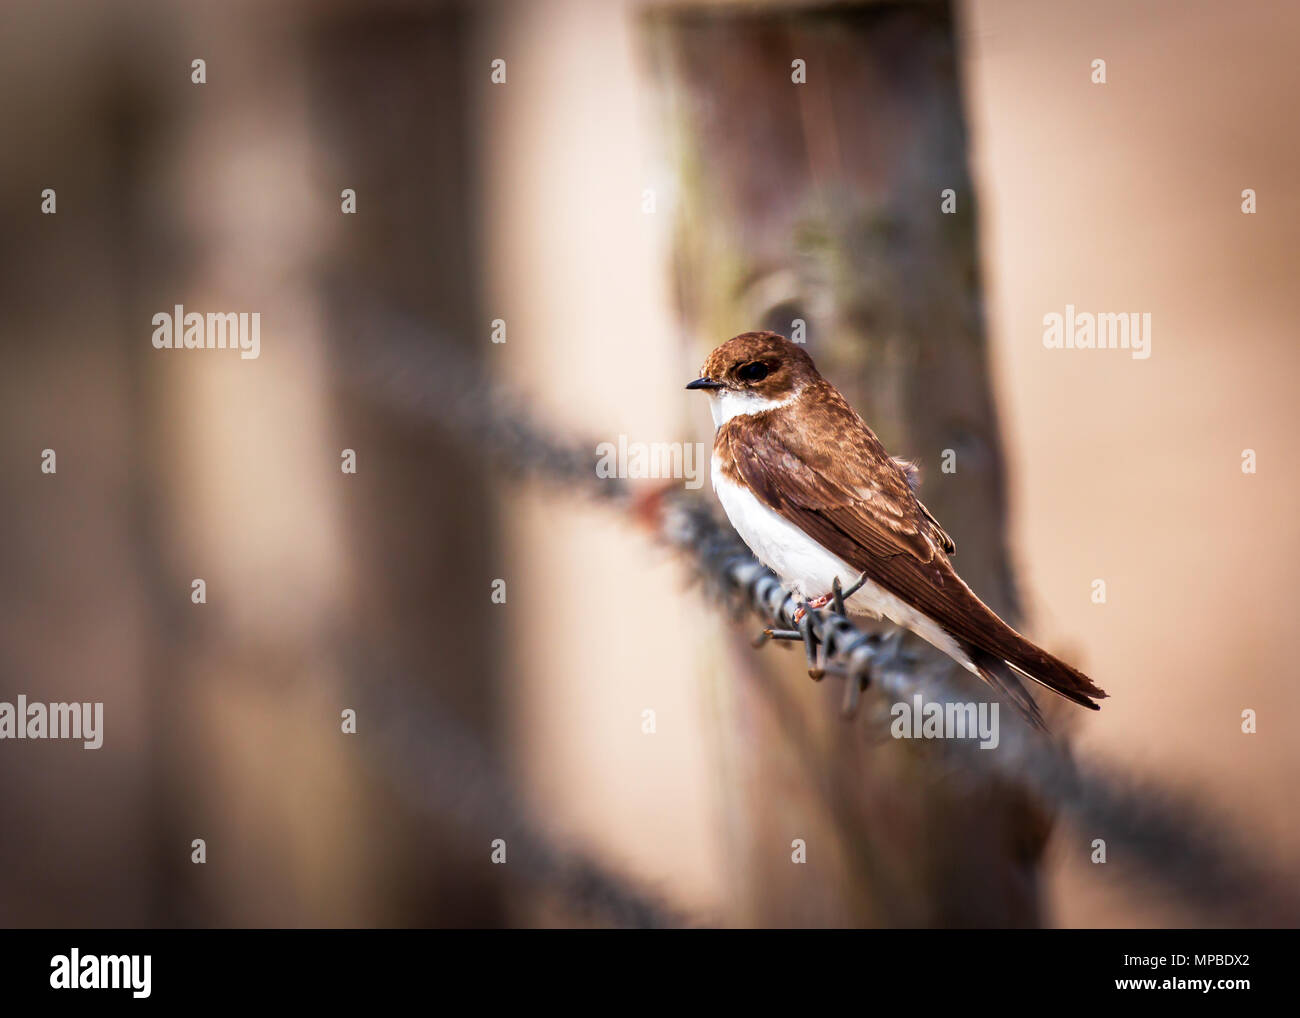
[{"x": 836, "y": 597}]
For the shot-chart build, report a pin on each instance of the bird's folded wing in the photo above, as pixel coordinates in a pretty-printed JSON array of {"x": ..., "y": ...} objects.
[
  {"x": 841, "y": 488},
  {"x": 847, "y": 494}
]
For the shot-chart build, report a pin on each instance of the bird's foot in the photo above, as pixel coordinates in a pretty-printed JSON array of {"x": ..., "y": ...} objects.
[
  {"x": 806, "y": 606},
  {"x": 837, "y": 597}
]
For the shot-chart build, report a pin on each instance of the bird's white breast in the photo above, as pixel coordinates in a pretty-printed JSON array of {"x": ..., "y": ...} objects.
[
  {"x": 801, "y": 562},
  {"x": 809, "y": 569}
]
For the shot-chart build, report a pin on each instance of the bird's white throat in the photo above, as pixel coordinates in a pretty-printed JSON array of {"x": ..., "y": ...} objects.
[{"x": 728, "y": 403}]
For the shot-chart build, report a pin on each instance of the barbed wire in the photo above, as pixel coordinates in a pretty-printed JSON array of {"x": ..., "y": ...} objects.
[{"x": 1170, "y": 840}]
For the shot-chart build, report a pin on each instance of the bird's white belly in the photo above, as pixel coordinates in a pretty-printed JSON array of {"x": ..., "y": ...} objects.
[
  {"x": 809, "y": 569},
  {"x": 802, "y": 563}
]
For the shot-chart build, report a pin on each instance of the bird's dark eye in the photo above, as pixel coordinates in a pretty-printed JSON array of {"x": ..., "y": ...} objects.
[{"x": 752, "y": 372}]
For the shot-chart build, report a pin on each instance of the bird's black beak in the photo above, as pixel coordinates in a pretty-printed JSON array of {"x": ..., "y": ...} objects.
[{"x": 704, "y": 383}]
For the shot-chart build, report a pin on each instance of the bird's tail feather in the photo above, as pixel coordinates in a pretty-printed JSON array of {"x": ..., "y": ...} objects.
[
  {"x": 1036, "y": 664},
  {"x": 1003, "y": 678}
]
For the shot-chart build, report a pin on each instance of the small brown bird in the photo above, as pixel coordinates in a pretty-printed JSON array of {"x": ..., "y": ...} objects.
[{"x": 814, "y": 494}]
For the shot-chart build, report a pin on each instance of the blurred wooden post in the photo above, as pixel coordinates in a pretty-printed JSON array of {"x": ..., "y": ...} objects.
[{"x": 821, "y": 201}]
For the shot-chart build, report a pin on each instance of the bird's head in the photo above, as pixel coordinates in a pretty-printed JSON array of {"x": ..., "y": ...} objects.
[{"x": 753, "y": 372}]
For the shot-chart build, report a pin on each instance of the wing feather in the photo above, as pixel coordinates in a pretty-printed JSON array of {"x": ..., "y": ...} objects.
[{"x": 842, "y": 488}]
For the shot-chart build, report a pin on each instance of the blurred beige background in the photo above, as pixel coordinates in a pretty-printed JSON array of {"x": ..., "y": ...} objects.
[
  {"x": 1128, "y": 196},
  {"x": 525, "y": 202}
]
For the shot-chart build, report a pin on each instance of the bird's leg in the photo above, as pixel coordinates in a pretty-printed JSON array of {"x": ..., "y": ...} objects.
[
  {"x": 807, "y": 606},
  {"x": 837, "y": 596}
]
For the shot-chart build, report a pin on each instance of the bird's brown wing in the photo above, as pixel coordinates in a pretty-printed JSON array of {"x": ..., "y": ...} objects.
[{"x": 838, "y": 485}]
